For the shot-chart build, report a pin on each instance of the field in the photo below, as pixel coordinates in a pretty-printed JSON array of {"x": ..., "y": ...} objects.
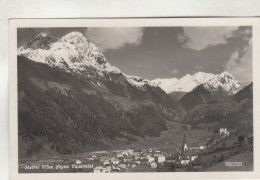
[{"x": 168, "y": 139}]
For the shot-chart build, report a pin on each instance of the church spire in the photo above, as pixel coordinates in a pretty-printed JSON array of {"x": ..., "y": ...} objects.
[{"x": 184, "y": 145}]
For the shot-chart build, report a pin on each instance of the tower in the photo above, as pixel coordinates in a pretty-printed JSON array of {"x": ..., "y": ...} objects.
[{"x": 184, "y": 147}]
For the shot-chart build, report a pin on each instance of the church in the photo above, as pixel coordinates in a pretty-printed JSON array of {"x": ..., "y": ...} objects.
[{"x": 186, "y": 154}]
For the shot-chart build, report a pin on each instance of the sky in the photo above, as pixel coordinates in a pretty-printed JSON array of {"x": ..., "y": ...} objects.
[{"x": 167, "y": 52}]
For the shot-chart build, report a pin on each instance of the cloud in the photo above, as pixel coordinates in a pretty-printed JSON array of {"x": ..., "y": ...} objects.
[
  {"x": 175, "y": 71},
  {"x": 199, "y": 38},
  {"x": 114, "y": 38},
  {"x": 240, "y": 63}
]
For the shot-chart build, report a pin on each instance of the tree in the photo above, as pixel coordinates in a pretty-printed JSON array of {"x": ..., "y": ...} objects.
[
  {"x": 222, "y": 157},
  {"x": 240, "y": 138}
]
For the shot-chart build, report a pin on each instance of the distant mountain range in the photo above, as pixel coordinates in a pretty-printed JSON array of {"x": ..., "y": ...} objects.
[
  {"x": 187, "y": 83},
  {"x": 71, "y": 99},
  {"x": 199, "y": 88}
]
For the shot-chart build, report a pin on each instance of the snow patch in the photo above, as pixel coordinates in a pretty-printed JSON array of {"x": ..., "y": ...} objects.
[
  {"x": 138, "y": 81},
  {"x": 188, "y": 82},
  {"x": 73, "y": 53},
  {"x": 166, "y": 84}
]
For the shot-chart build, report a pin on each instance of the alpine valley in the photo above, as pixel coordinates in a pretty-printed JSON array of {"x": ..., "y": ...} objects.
[{"x": 72, "y": 100}]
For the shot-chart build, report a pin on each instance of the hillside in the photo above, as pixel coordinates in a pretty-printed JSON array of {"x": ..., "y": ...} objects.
[
  {"x": 68, "y": 113},
  {"x": 246, "y": 158},
  {"x": 235, "y": 113}
]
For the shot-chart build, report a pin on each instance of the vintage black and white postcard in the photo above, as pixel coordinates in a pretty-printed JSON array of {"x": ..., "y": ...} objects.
[{"x": 134, "y": 97}]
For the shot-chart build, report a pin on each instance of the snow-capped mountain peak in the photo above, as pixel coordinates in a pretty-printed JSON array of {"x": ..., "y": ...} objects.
[
  {"x": 166, "y": 84},
  {"x": 202, "y": 75},
  {"x": 43, "y": 34},
  {"x": 74, "y": 37},
  {"x": 210, "y": 81},
  {"x": 73, "y": 34},
  {"x": 225, "y": 73},
  {"x": 137, "y": 81},
  {"x": 41, "y": 41},
  {"x": 72, "y": 53},
  {"x": 186, "y": 77}
]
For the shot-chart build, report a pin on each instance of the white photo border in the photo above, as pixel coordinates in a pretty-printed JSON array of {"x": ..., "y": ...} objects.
[{"x": 128, "y": 22}]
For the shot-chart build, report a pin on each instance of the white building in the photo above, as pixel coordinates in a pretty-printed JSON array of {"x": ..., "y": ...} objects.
[
  {"x": 122, "y": 166},
  {"x": 125, "y": 153},
  {"x": 161, "y": 159},
  {"x": 137, "y": 157},
  {"x": 106, "y": 170},
  {"x": 130, "y": 152},
  {"x": 91, "y": 159},
  {"x": 98, "y": 169},
  {"x": 153, "y": 165},
  {"x": 119, "y": 154},
  {"x": 128, "y": 160},
  {"x": 133, "y": 165},
  {"x": 202, "y": 147},
  {"x": 194, "y": 148},
  {"x": 115, "y": 161},
  {"x": 185, "y": 161},
  {"x": 138, "y": 162},
  {"x": 106, "y": 163},
  {"x": 224, "y": 131},
  {"x": 78, "y": 162},
  {"x": 192, "y": 158},
  {"x": 197, "y": 147},
  {"x": 137, "y": 153},
  {"x": 151, "y": 159}
]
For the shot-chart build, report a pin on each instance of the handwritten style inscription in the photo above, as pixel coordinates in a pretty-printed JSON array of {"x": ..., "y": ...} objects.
[
  {"x": 232, "y": 164},
  {"x": 58, "y": 167}
]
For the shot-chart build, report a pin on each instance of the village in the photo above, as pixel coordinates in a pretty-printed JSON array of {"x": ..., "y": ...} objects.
[
  {"x": 129, "y": 160},
  {"x": 133, "y": 160},
  {"x": 142, "y": 160}
]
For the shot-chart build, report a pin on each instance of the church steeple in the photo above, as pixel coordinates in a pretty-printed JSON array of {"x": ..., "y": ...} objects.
[{"x": 184, "y": 145}]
